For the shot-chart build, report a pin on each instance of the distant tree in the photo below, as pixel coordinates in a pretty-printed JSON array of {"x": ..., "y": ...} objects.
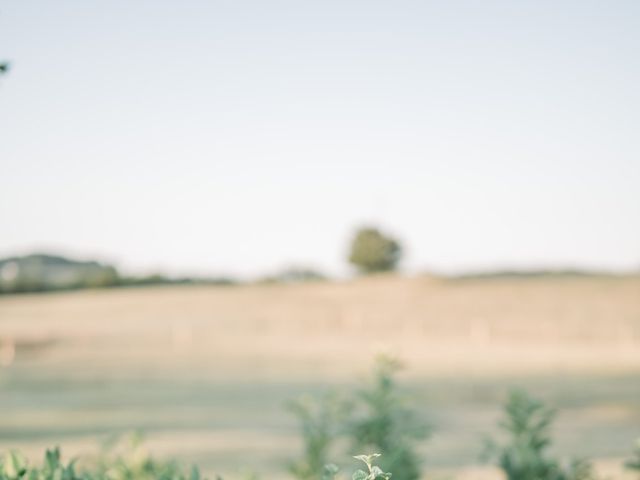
[
  {"x": 373, "y": 251},
  {"x": 4, "y": 67}
]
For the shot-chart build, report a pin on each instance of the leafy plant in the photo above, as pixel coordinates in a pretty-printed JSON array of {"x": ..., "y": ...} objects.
[
  {"x": 384, "y": 422},
  {"x": 135, "y": 464},
  {"x": 130, "y": 460},
  {"x": 377, "y": 418},
  {"x": 320, "y": 421},
  {"x": 634, "y": 463},
  {"x": 523, "y": 456},
  {"x": 373, "y": 471},
  {"x": 330, "y": 471},
  {"x": 13, "y": 466}
]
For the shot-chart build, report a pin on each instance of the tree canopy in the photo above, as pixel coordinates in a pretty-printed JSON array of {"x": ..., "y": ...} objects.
[{"x": 373, "y": 251}]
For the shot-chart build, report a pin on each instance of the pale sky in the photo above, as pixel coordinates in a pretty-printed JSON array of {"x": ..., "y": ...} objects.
[{"x": 239, "y": 137}]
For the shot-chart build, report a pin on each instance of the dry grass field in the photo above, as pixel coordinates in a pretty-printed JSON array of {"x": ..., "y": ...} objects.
[{"x": 206, "y": 371}]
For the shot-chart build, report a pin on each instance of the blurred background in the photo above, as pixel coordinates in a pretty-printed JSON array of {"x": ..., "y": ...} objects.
[{"x": 209, "y": 209}]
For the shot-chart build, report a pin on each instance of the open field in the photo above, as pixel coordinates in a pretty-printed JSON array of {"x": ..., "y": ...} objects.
[{"x": 206, "y": 371}]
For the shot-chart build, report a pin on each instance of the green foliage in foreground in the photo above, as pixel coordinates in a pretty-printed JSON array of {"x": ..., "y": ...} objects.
[
  {"x": 524, "y": 455},
  {"x": 383, "y": 422},
  {"x": 134, "y": 464},
  {"x": 373, "y": 472},
  {"x": 321, "y": 423},
  {"x": 634, "y": 463},
  {"x": 376, "y": 418}
]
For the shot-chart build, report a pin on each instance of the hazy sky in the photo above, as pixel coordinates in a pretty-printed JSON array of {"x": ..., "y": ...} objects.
[{"x": 243, "y": 136}]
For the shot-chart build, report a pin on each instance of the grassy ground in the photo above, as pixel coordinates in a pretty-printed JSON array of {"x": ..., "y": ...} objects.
[{"x": 207, "y": 371}]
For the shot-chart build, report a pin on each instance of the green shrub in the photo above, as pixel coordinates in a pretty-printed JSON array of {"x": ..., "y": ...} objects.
[
  {"x": 524, "y": 454},
  {"x": 321, "y": 421},
  {"x": 134, "y": 464},
  {"x": 634, "y": 463},
  {"x": 14, "y": 466},
  {"x": 383, "y": 422},
  {"x": 377, "y": 419}
]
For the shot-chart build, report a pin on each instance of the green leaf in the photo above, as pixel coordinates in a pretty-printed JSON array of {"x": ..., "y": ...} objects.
[
  {"x": 359, "y": 475},
  {"x": 195, "y": 473},
  {"x": 15, "y": 465},
  {"x": 376, "y": 471},
  {"x": 330, "y": 471},
  {"x": 368, "y": 459}
]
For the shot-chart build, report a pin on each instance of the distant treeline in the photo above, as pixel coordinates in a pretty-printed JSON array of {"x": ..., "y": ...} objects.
[
  {"x": 42, "y": 273},
  {"x": 524, "y": 274}
]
